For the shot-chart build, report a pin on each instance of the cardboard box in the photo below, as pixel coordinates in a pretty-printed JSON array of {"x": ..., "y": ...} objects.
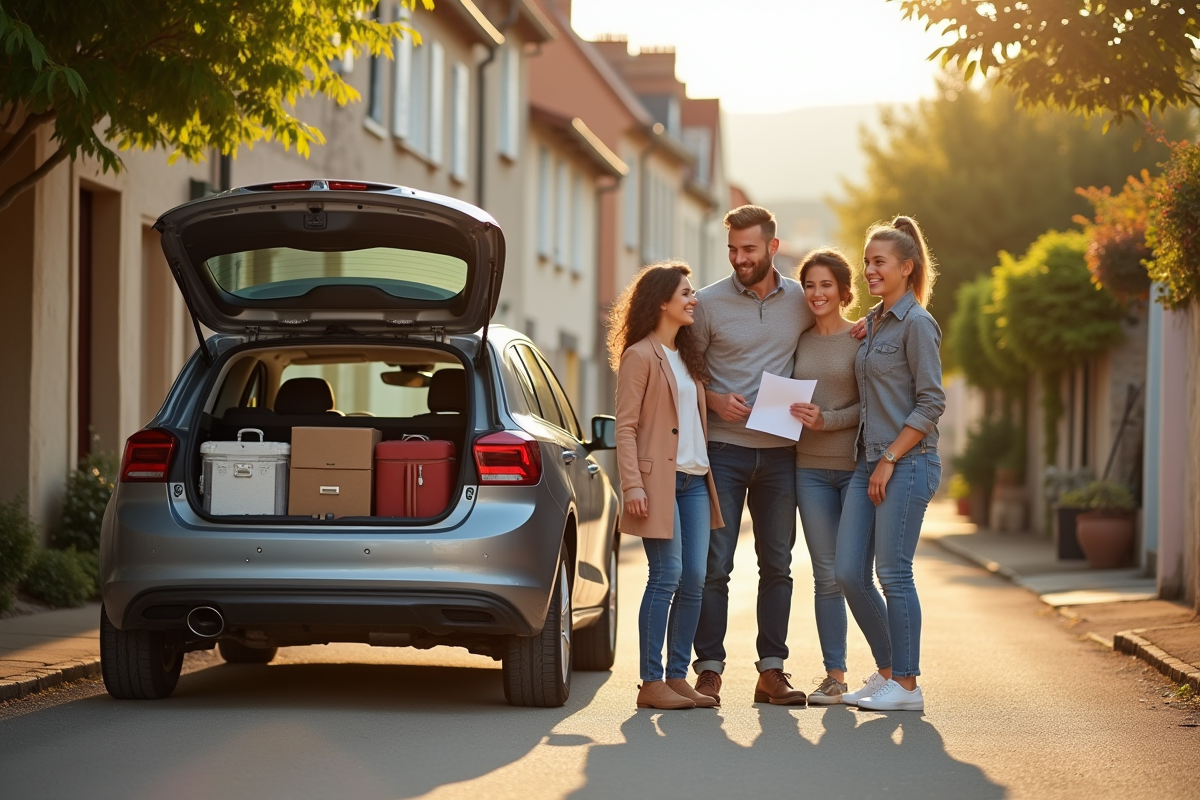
[{"x": 332, "y": 471}]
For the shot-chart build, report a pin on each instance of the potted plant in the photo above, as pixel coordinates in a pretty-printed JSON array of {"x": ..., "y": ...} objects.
[
  {"x": 1105, "y": 526},
  {"x": 987, "y": 445},
  {"x": 960, "y": 493},
  {"x": 1060, "y": 484}
]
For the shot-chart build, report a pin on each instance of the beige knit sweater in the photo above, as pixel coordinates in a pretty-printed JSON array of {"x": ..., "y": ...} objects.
[{"x": 830, "y": 361}]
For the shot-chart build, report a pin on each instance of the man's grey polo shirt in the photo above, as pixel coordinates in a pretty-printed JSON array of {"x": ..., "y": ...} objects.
[{"x": 742, "y": 337}]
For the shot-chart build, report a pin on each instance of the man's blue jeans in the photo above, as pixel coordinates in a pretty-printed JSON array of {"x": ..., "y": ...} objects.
[
  {"x": 764, "y": 477},
  {"x": 821, "y": 493},
  {"x": 671, "y": 604},
  {"x": 892, "y": 628}
]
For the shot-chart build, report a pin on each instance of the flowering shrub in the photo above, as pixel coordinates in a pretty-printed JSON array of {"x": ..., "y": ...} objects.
[
  {"x": 1117, "y": 253},
  {"x": 1173, "y": 230}
]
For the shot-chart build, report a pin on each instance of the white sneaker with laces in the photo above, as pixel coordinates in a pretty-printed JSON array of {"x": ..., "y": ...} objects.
[
  {"x": 894, "y": 697},
  {"x": 870, "y": 686}
]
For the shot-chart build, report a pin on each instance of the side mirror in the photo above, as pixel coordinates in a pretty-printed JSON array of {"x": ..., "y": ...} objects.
[{"x": 604, "y": 433}]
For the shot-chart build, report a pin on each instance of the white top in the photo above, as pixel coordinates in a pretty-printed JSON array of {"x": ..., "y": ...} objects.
[{"x": 692, "y": 454}]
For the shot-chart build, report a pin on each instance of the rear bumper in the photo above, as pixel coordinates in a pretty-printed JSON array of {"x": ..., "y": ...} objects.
[{"x": 351, "y": 614}]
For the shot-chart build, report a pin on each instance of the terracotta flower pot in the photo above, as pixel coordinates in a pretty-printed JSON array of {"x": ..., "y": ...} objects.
[
  {"x": 963, "y": 506},
  {"x": 1106, "y": 538}
]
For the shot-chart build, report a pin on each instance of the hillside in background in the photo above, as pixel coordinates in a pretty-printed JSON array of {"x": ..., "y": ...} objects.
[{"x": 797, "y": 155}]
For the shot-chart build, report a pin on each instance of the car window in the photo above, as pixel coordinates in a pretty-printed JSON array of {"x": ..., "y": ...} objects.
[
  {"x": 541, "y": 387},
  {"x": 571, "y": 423},
  {"x": 520, "y": 376}
]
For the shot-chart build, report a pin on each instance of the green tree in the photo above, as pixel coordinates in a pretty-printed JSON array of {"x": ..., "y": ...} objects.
[
  {"x": 982, "y": 176},
  {"x": 975, "y": 344},
  {"x": 1052, "y": 317},
  {"x": 187, "y": 75},
  {"x": 1124, "y": 58}
]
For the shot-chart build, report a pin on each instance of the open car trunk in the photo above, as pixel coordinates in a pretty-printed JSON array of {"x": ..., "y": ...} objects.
[{"x": 321, "y": 409}]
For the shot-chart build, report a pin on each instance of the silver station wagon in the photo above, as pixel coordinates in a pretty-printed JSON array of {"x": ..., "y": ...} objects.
[{"x": 351, "y": 315}]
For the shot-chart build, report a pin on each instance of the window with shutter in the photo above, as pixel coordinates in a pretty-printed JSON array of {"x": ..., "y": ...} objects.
[
  {"x": 437, "y": 101},
  {"x": 460, "y": 122}
]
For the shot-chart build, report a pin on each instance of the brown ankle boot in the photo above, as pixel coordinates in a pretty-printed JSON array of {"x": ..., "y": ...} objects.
[
  {"x": 709, "y": 683},
  {"x": 774, "y": 688},
  {"x": 681, "y": 687},
  {"x": 656, "y": 694}
]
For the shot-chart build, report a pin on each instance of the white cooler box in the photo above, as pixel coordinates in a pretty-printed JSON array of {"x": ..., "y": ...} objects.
[{"x": 245, "y": 477}]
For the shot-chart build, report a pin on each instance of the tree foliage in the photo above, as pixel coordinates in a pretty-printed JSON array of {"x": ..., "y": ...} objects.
[
  {"x": 1117, "y": 253},
  {"x": 982, "y": 176},
  {"x": 1173, "y": 230},
  {"x": 975, "y": 342},
  {"x": 1052, "y": 316},
  {"x": 187, "y": 75},
  {"x": 1123, "y": 58}
]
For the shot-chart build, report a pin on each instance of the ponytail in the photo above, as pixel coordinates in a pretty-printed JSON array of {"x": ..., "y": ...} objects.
[{"x": 909, "y": 243}]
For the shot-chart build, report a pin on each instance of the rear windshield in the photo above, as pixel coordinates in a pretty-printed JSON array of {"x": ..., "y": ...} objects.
[{"x": 277, "y": 272}]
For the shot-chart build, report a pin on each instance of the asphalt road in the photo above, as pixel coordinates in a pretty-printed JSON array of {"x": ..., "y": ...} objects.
[{"x": 1016, "y": 706}]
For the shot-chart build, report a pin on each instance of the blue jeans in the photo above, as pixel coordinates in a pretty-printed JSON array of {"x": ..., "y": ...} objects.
[
  {"x": 821, "y": 493},
  {"x": 671, "y": 604},
  {"x": 892, "y": 628},
  {"x": 765, "y": 475}
]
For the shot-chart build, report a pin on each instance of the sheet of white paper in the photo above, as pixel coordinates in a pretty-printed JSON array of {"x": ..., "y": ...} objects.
[{"x": 772, "y": 408}]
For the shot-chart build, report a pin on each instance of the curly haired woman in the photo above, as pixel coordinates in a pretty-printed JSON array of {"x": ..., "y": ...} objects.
[{"x": 669, "y": 497}]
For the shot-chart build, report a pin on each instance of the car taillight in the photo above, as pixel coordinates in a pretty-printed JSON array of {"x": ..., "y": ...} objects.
[
  {"x": 511, "y": 458},
  {"x": 147, "y": 457},
  {"x": 291, "y": 186},
  {"x": 347, "y": 186}
]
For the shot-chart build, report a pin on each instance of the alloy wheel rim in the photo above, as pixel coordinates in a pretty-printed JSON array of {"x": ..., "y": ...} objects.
[{"x": 564, "y": 621}]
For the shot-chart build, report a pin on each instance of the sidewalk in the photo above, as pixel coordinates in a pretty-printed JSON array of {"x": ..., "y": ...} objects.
[
  {"x": 1116, "y": 608},
  {"x": 38, "y": 651}
]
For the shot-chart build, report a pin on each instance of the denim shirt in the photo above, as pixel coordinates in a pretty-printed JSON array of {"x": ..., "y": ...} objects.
[{"x": 899, "y": 377}]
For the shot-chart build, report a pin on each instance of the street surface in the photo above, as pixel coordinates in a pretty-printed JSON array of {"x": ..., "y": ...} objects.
[{"x": 1016, "y": 706}]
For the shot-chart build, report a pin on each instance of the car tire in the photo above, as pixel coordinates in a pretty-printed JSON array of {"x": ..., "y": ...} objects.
[
  {"x": 137, "y": 664},
  {"x": 234, "y": 652},
  {"x": 537, "y": 669},
  {"x": 596, "y": 646}
]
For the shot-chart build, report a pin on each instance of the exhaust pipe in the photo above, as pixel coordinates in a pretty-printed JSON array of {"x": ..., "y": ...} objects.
[{"x": 205, "y": 621}]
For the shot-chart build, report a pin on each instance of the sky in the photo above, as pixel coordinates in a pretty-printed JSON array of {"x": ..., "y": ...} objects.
[{"x": 807, "y": 52}]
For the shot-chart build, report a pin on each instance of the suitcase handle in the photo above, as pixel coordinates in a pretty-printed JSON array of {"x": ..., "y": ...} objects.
[
  {"x": 410, "y": 436},
  {"x": 262, "y": 437}
]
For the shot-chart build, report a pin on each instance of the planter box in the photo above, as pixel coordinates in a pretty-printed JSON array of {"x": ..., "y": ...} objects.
[{"x": 1065, "y": 541}]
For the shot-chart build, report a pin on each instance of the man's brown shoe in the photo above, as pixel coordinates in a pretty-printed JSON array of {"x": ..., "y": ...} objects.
[
  {"x": 774, "y": 688},
  {"x": 656, "y": 694},
  {"x": 709, "y": 683},
  {"x": 680, "y": 686}
]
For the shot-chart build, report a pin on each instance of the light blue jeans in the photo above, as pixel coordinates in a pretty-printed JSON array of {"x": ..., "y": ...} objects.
[
  {"x": 891, "y": 622},
  {"x": 820, "y": 494},
  {"x": 671, "y": 604}
]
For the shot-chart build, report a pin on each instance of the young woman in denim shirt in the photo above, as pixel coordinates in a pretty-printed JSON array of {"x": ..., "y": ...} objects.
[
  {"x": 825, "y": 453},
  {"x": 899, "y": 375}
]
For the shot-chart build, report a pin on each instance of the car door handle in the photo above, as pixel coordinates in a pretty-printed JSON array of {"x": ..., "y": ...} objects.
[
  {"x": 593, "y": 469},
  {"x": 569, "y": 456}
]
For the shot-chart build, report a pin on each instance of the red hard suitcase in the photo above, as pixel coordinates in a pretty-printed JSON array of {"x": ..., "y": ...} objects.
[{"x": 413, "y": 477}]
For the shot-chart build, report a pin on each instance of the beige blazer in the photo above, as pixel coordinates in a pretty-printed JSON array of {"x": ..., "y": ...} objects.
[{"x": 648, "y": 438}]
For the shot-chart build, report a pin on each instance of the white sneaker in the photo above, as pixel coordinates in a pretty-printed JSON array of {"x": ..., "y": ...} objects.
[
  {"x": 871, "y": 685},
  {"x": 894, "y": 697}
]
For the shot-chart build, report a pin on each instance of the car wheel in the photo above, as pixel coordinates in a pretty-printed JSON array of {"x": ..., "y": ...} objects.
[
  {"x": 537, "y": 669},
  {"x": 596, "y": 647},
  {"x": 137, "y": 664},
  {"x": 235, "y": 652}
]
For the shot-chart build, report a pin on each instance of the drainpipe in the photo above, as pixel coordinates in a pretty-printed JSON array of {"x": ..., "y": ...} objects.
[
  {"x": 481, "y": 103},
  {"x": 643, "y": 214}
]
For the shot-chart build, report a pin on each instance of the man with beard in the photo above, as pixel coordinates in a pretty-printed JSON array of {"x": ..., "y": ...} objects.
[{"x": 747, "y": 324}]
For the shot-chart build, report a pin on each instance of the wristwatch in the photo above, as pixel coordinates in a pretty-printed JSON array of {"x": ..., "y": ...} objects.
[{"x": 889, "y": 456}]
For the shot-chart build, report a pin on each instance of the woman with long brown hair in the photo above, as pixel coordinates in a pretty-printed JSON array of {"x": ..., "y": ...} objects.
[{"x": 669, "y": 497}]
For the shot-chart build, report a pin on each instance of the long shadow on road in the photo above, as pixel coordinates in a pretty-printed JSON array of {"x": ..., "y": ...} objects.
[
  {"x": 304, "y": 730},
  {"x": 857, "y": 754}
]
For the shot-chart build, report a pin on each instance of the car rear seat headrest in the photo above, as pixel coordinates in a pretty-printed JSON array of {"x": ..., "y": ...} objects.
[
  {"x": 304, "y": 396},
  {"x": 448, "y": 391}
]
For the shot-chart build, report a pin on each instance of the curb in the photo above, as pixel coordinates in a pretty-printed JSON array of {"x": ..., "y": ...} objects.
[
  {"x": 993, "y": 567},
  {"x": 1178, "y": 671},
  {"x": 42, "y": 678}
]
